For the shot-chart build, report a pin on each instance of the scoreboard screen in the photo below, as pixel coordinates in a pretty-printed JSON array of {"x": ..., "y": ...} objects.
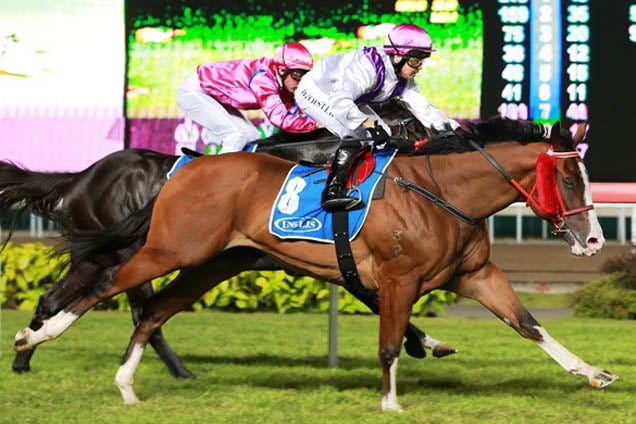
[{"x": 569, "y": 61}]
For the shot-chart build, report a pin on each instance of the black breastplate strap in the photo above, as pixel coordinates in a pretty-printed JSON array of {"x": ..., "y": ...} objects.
[{"x": 346, "y": 263}]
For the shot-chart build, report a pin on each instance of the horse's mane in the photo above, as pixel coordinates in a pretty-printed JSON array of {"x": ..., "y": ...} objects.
[{"x": 493, "y": 130}]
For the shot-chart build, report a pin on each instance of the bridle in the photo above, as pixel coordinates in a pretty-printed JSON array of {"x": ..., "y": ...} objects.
[{"x": 556, "y": 219}]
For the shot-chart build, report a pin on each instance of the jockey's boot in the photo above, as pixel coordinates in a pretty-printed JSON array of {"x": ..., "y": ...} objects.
[{"x": 336, "y": 195}]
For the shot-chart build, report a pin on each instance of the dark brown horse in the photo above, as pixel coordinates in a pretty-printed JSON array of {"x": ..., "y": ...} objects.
[
  {"x": 124, "y": 181},
  {"x": 408, "y": 246}
]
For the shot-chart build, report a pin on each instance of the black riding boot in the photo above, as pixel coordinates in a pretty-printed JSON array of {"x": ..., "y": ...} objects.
[{"x": 335, "y": 195}]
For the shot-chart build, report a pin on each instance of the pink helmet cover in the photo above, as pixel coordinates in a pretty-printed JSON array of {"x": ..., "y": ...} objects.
[
  {"x": 406, "y": 37},
  {"x": 294, "y": 56}
]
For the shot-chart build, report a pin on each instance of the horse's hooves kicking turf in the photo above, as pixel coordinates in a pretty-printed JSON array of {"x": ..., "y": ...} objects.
[{"x": 603, "y": 379}]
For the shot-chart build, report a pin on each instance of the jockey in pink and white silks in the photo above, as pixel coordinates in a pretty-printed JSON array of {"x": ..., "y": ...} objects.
[
  {"x": 338, "y": 89},
  {"x": 215, "y": 95}
]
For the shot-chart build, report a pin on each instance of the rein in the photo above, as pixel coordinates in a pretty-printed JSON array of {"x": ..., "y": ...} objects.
[
  {"x": 557, "y": 218},
  {"x": 433, "y": 198}
]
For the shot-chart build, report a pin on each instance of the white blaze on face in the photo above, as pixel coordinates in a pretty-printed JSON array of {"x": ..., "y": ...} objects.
[{"x": 596, "y": 232}]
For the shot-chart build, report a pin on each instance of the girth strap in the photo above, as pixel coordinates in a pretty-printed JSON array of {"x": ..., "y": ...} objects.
[{"x": 344, "y": 255}]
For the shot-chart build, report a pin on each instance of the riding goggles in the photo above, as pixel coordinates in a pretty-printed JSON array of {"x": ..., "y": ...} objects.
[
  {"x": 297, "y": 74},
  {"x": 414, "y": 62}
]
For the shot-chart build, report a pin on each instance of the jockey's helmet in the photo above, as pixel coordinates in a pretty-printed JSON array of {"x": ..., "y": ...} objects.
[
  {"x": 408, "y": 39},
  {"x": 294, "y": 56}
]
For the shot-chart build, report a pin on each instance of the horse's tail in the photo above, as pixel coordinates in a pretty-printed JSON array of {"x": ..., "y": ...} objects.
[
  {"x": 38, "y": 192},
  {"x": 110, "y": 245}
]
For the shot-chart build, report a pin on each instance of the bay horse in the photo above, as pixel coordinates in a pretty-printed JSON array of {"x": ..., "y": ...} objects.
[
  {"x": 407, "y": 247},
  {"x": 122, "y": 182}
]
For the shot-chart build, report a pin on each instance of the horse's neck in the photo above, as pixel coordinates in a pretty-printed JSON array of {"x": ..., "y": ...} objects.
[{"x": 471, "y": 183}]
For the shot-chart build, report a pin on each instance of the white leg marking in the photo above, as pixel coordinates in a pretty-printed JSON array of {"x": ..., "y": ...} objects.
[
  {"x": 125, "y": 377},
  {"x": 50, "y": 329},
  {"x": 389, "y": 402},
  {"x": 569, "y": 361},
  {"x": 439, "y": 348},
  {"x": 431, "y": 343}
]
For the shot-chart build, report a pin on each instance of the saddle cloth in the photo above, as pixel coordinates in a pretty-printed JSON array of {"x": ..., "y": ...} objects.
[
  {"x": 185, "y": 159},
  {"x": 178, "y": 164},
  {"x": 297, "y": 214}
]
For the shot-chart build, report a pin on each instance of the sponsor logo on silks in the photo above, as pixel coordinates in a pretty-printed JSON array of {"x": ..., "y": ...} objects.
[{"x": 300, "y": 224}]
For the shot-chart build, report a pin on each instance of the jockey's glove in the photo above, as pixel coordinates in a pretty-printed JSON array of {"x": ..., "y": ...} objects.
[{"x": 379, "y": 135}]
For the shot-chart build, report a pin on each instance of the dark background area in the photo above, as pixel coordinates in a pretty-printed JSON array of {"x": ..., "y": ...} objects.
[{"x": 612, "y": 94}]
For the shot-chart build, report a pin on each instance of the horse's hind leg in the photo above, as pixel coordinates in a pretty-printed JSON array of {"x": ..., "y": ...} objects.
[
  {"x": 493, "y": 290},
  {"x": 147, "y": 264},
  {"x": 50, "y": 303},
  {"x": 136, "y": 297},
  {"x": 181, "y": 293},
  {"x": 22, "y": 361}
]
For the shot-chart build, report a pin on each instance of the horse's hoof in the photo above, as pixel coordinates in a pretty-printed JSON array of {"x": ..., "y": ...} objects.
[
  {"x": 390, "y": 406},
  {"x": 414, "y": 349},
  {"x": 603, "y": 379},
  {"x": 183, "y": 373},
  {"x": 442, "y": 350},
  {"x": 131, "y": 401},
  {"x": 398, "y": 409},
  {"x": 21, "y": 370}
]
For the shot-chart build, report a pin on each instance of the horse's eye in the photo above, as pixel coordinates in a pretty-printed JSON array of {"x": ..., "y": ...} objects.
[{"x": 569, "y": 183}]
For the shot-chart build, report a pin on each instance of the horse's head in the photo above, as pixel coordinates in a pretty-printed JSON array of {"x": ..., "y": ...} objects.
[
  {"x": 564, "y": 194},
  {"x": 402, "y": 122}
]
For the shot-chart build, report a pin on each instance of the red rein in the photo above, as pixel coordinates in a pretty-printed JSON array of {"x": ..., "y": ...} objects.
[{"x": 549, "y": 201}]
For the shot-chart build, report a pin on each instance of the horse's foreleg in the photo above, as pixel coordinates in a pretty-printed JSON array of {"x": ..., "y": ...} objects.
[
  {"x": 493, "y": 290},
  {"x": 416, "y": 340},
  {"x": 395, "y": 310},
  {"x": 136, "y": 298}
]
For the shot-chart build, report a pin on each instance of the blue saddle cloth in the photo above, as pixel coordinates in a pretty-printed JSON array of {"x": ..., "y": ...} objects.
[
  {"x": 297, "y": 214},
  {"x": 182, "y": 161},
  {"x": 185, "y": 159}
]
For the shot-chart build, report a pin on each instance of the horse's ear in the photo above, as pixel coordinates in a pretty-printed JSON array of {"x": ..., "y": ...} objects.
[
  {"x": 555, "y": 134},
  {"x": 580, "y": 133}
]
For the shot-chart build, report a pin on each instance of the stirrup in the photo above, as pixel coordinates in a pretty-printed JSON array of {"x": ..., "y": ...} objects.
[
  {"x": 337, "y": 204},
  {"x": 345, "y": 202},
  {"x": 355, "y": 201}
]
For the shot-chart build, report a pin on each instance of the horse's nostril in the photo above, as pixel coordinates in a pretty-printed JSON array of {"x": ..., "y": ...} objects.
[{"x": 595, "y": 242}]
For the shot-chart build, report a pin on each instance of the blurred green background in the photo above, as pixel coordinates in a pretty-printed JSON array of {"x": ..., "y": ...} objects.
[{"x": 166, "y": 42}]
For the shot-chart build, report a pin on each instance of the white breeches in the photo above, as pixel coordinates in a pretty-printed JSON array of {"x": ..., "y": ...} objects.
[{"x": 231, "y": 128}]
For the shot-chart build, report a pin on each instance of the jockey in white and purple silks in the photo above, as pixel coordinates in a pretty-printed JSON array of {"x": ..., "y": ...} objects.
[
  {"x": 215, "y": 95},
  {"x": 336, "y": 91}
]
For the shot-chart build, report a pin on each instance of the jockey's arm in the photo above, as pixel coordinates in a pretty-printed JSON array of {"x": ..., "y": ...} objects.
[{"x": 265, "y": 89}]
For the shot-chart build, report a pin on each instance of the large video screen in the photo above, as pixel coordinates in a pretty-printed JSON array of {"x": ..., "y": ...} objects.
[
  {"x": 168, "y": 40},
  {"x": 62, "y": 78}
]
